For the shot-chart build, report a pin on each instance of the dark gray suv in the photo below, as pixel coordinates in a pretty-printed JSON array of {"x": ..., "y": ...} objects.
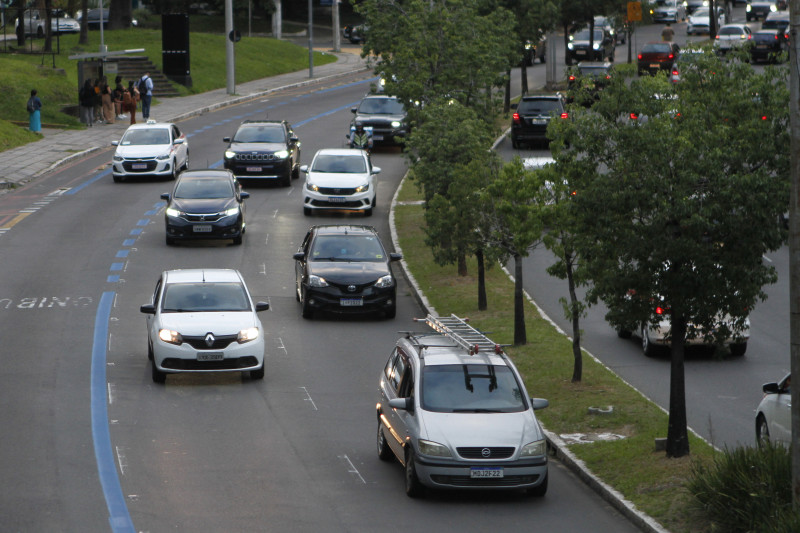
[
  {"x": 264, "y": 149},
  {"x": 531, "y": 117}
]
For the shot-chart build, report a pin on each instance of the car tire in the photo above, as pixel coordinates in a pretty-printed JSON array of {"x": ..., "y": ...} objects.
[
  {"x": 514, "y": 143},
  {"x": 306, "y": 310},
  {"x": 384, "y": 451},
  {"x": 414, "y": 488},
  {"x": 118, "y": 179},
  {"x": 237, "y": 240},
  {"x": 150, "y": 355},
  {"x": 648, "y": 348},
  {"x": 158, "y": 375},
  {"x": 295, "y": 172},
  {"x": 762, "y": 429},
  {"x": 307, "y": 211},
  {"x": 391, "y": 312},
  {"x": 368, "y": 212},
  {"x": 539, "y": 490},
  {"x": 258, "y": 373},
  {"x": 174, "y": 174},
  {"x": 170, "y": 241},
  {"x": 738, "y": 349},
  {"x": 186, "y": 162}
]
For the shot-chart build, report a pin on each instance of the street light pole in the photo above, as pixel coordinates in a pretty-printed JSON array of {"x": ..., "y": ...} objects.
[
  {"x": 794, "y": 239},
  {"x": 310, "y": 39}
]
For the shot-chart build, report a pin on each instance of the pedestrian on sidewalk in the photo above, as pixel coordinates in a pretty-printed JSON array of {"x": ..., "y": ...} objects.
[
  {"x": 34, "y": 115},
  {"x": 108, "y": 104},
  {"x": 667, "y": 33},
  {"x": 116, "y": 95},
  {"x": 146, "y": 83},
  {"x": 132, "y": 97},
  {"x": 86, "y": 101},
  {"x": 98, "y": 101}
]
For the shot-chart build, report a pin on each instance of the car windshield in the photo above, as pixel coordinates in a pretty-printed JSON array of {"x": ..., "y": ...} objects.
[
  {"x": 545, "y": 105},
  {"x": 474, "y": 388},
  {"x": 339, "y": 163},
  {"x": 204, "y": 297},
  {"x": 701, "y": 12},
  {"x": 584, "y": 35},
  {"x": 203, "y": 188},
  {"x": 143, "y": 137},
  {"x": 657, "y": 48},
  {"x": 362, "y": 248},
  {"x": 594, "y": 72},
  {"x": 665, "y": 3},
  {"x": 381, "y": 106},
  {"x": 259, "y": 134}
]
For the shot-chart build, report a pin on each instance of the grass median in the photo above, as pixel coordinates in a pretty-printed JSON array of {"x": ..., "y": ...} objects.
[{"x": 647, "y": 478}]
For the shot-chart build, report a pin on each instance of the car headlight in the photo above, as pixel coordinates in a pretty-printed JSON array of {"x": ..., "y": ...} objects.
[
  {"x": 384, "y": 281},
  {"x": 595, "y": 46},
  {"x": 396, "y": 123},
  {"x": 773, "y": 8},
  {"x": 434, "y": 449},
  {"x": 118, "y": 158},
  {"x": 163, "y": 157},
  {"x": 748, "y": 8},
  {"x": 363, "y": 188},
  {"x": 316, "y": 281},
  {"x": 233, "y": 211},
  {"x": 534, "y": 448},
  {"x": 247, "y": 335},
  {"x": 311, "y": 187},
  {"x": 172, "y": 337},
  {"x": 230, "y": 154},
  {"x": 281, "y": 154},
  {"x": 569, "y": 45},
  {"x": 172, "y": 212}
]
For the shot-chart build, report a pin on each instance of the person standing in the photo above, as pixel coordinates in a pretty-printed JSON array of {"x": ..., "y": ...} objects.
[
  {"x": 34, "y": 115},
  {"x": 107, "y": 103},
  {"x": 116, "y": 95},
  {"x": 147, "y": 97},
  {"x": 667, "y": 33},
  {"x": 129, "y": 101},
  {"x": 86, "y": 100},
  {"x": 98, "y": 102}
]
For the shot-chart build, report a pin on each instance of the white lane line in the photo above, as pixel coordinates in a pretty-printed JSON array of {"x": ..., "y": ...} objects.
[
  {"x": 309, "y": 399},
  {"x": 121, "y": 460},
  {"x": 281, "y": 345},
  {"x": 351, "y": 469}
]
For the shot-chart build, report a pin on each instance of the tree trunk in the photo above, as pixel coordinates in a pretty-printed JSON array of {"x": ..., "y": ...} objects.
[
  {"x": 677, "y": 433},
  {"x": 575, "y": 315},
  {"x": 507, "y": 96},
  {"x": 48, "y": 27},
  {"x": 482, "y": 303},
  {"x": 524, "y": 74},
  {"x": 20, "y": 27},
  {"x": 84, "y": 38},
  {"x": 462, "y": 263},
  {"x": 520, "y": 336}
]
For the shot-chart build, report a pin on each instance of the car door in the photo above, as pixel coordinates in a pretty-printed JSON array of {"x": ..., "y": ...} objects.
[
  {"x": 301, "y": 265},
  {"x": 397, "y": 383},
  {"x": 182, "y": 149},
  {"x": 152, "y": 321},
  {"x": 781, "y": 429}
]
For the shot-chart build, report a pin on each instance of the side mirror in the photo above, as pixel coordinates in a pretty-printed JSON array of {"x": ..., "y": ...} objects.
[
  {"x": 353, "y": 110},
  {"x": 262, "y": 306},
  {"x": 304, "y": 168},
  {"x": 114, "y": 143},
  {"x": 299, "y": 256},
  {"x": 376, "y": 170},
  {"x": 244, "y": 195},
  {"x": 226, "y": 139},
  {"x": 148, "y": 309},
  {"x": 770, "y": 388},
  {"x": 179, "y": 141},
  {"x": 165, "y": 197},
  {"x": 293, "y": 139},
  {"x": 539, "y": 403},
  {"x": 406, "y": 404},
  {"x": 395, "y": 257}
]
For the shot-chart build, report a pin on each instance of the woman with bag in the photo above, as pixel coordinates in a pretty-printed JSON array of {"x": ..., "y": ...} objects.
[
  {"x": 131, "y": 97},
  {"x": 108, "y": 104},
  {"x": 34, "y": 115}
]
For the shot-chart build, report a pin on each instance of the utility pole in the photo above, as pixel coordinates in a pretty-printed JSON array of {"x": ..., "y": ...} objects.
[
  {"x": 310, "y": 39},
  {"x": 230, "y": 65},
  {"x": 794, "y": 240}
]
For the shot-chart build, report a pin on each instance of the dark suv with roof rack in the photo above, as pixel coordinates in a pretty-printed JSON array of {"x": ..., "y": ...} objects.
[
  {"x": 264, "y": 149},
  {"x": 531, "y": 117}
]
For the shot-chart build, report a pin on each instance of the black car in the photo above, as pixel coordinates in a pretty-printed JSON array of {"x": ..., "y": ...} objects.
[
  {"x": 264, "y": 149},
  {"x": 205, "y": 204},
  {"x": 759, "y": 9},
  {"x": 386, "y": 115},
  {"x": 766, "y": 45},
  {"x": 587, "y": 46},
  {"x": 585, "y": 81},
  {"x": 354, "y": 34},
  {"x": 93, "y": 19},
  {"x": 345, "y": 269},
  {"x": 531, "y": 117}
]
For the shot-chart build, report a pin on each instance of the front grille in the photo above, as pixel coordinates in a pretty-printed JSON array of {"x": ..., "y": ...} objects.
[
  {"x": 358, "y": 289},
  {"x": 336, "y": 192},
  {"x": 208, "y": 217},
  {"x": 150, "y": 165},
  {"x": 495, "y": 452},
  {"x": 237, "y": 363},
  {"x": 337, "y": 205},
  {"x": 466, "y": 481},
  {"x": 220, "y": 342},
  {"x": 256, "y": 157}
]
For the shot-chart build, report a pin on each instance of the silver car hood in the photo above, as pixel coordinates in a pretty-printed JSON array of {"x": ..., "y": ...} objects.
[{"x": 481, "y": 429}]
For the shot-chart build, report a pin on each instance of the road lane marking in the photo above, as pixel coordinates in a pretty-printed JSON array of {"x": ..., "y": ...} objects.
[
  {"x": 351, "y": 469},
  {"x": 308, "y": 399}
]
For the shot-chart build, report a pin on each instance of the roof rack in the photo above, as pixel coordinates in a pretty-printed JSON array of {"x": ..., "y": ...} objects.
[{"x": 462, "y": 333}]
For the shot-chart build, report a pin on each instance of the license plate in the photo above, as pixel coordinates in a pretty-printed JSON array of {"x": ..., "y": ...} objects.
[
  {"x": 351, "y": 302},
  {"x": 253, "y": 169},
  {"x": 484, "y": 472},
  {"x": 201, "y": 228},
  {"x": 654, "y": 65},
  {"x": 210, "y": 356},
  {"x": 539, "y": 121},
  {"x": 377, "y": 137},
  {"x": 761, "y": 46},
  {"x": 139, "y": 166},
  {"x": 337, "y": 199}
]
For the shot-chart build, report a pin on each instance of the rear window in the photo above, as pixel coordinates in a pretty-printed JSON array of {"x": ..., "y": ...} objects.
[
  {"x": 660, "y": 48},
  {"x": 545, "y": 105},
  {"x": 595, "y": 72},
  {"x": 765, "y": 37},
  {"x": 731, "y": 31}
]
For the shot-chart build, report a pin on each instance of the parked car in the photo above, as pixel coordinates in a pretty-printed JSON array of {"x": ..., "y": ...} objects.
[
  {"x": 386, "y": 115},
  {"x": 453, "y": 409},
  {"x": 590, "y": 77},
  {"x": 204, "y": 320},
  {"x": 150, "y": 149},
  {"x": 532, "y": 115},
  {"x": 205, "y": 204},
  {"x": 698, "y": 22},
  {"x": 778, "y": 20},
  {"x": 587, "y": 46},
  {"x": 668, "y": 11},
  {"x": 767, "y": 46},
  {"x": 340, "y": 179},
  {"x": 93, "y": 18},
  {"x": 759, "y": 9},
  {"x": 774, "y": 413},
  {"x": 731, "y": 36},
  {"x": 656, "y": 56},
  {"x": 35, "y": 23},
  {"x": 265, "y": 150},
  {"x": 345, "y": 269}
]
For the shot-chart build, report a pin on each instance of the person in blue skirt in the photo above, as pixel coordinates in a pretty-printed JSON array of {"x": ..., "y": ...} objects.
[{"x": 34, "y": 113}]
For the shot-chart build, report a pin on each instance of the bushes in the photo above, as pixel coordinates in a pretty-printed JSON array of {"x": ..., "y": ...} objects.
[{"x": 747, "y": 490}]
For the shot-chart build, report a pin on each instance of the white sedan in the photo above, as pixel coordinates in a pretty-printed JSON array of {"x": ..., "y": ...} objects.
[
  {"x": 774, "y": 413},
  {"x": 731, "y": 36},
  {"x": 204, "y": 320},
  {"x": 698, "y": 22},
  {"x": 340, "y": 179},
  {"x": 151, "y": 149}
]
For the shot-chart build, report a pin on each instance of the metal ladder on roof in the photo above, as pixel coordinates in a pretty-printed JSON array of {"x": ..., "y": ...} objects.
[{"x": 462, "y": 333}]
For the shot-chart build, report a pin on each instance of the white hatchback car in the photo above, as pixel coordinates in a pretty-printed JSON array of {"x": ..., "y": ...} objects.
[
  {"x": 151, "y": 149},
  {"x": 732, "y": 36},
  {"x": 340, "y": 179},
  {"x": 774, "y": 413},
  {"x": 203, "y": 320}
]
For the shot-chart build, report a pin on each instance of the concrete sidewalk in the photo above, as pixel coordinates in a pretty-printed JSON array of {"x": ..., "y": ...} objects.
[{"x": 24, "y": 163}]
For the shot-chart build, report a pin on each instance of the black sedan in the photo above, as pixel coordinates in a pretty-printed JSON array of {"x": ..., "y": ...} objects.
[
  {"x": 345, "y": 269},
  {"x": 767, "y": 45},
  {"x": 205, "y": 204}
]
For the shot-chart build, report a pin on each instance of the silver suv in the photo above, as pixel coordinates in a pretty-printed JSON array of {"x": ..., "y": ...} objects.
[{"x": 454, "y": 411}]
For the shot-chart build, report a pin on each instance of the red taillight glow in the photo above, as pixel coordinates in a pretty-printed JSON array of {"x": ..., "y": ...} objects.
[
  {"x": 671, "y": 56},
  {"x": 564, "y": 115},
  {"x": 608, "y": 77},
  {"x": 717, "y": 37},
  {"x": 515, "y": 117},
  {"x": 776, "y": 37},
  {"x": 749, "y": 36},
  {"x": 634, "y": 116},
  {"x": 763, "y": 117},
  {"x": 659, "y": 310},
  {"x": 639, "y": 56},
  {"x": 572, "y": 78}
]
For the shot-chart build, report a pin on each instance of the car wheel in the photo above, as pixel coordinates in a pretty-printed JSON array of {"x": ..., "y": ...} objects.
[
  {"x": 384, "y": 451},
  {"x": 738, "y": 349},
  {"x": 186, "y": 162},
  {"x": 306, "y": 308},
  {"x": 39, "y": 32},
  {"x": 295, "y": 172},
  {"x": 237, "y": 240},
  {"x": 258, "y": 373},
  {"x": 391, "y": 312},
  {"x": 648, "y": 348},
  {"x": 118, "y": 179},
  {"x": 539, "y": 490},
  {"x": 170, "y": 241},
  {"x": 307, "y": 211},
  {"x": 414, "y": 488},
  {"x": 158, "y": 375},
  {"x": 150, "y": 351},
  {"x": 762, "y": 429},
  {"x": 514, "y": 143},
  {"x": 174, "y": 175},
  {"x": 368, "y": 212}
]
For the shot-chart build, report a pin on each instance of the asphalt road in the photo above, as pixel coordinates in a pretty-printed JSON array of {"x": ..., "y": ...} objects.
[{"x": 90, "y": 443}]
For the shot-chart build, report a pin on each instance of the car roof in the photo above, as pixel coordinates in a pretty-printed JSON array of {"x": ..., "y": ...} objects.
[
  {"x": 150, "y": 126},
  {"x": 436, "y": 350},
  {"x": 383, "y": 96},
  {"x": 207, "y": 173},
  {"x": 767, "y": 32},
  {"x": 781, "y": 15},
  {"x": 262, "y": 123},
  {"x": 198, "y": 275},
  {"x": 343, "y": 229},
  {"x": 541, "y": 97},
  {"x": 341, "y": 151}
]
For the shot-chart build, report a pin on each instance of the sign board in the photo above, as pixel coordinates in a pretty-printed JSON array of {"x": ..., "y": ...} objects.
[{"x": 635, "y": 11}]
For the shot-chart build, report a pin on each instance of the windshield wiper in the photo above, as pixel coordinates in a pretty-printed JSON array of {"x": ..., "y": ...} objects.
[{"x": 478, "y": 410}]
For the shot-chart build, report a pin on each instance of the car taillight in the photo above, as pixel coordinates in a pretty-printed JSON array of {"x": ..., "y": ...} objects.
[
  {"x": 515, "y": 117},
  {"x": 749, "y": 36},
  {"x": 675, "y": 72},
  {"x": 639, "y": 56},
  {"x": 671, "y": 56},
  {"x": 763, "y": 117},
  {"x": 634, "y": 116},
  {"x": 564, "y": 115},
  {"x": 717, "y": 37},
  {"x": 659, "y": 310},
  {"x": 776, "y": 37},
  {"x": 572, "y": 78},
  {"x": 608, "y": 77}
]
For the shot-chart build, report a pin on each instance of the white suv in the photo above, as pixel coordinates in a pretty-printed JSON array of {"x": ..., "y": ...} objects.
[
  {"x": 454, "y": 411},
  {"x": 340, "y": 179},
  {"x": 151, "y": 149}
]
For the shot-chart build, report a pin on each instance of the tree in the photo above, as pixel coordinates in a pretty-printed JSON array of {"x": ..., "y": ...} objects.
[
  {"x": 120, "y": 15},
  {"x": 683, "y": 203},
  {"x": 511, "y": 205}
]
